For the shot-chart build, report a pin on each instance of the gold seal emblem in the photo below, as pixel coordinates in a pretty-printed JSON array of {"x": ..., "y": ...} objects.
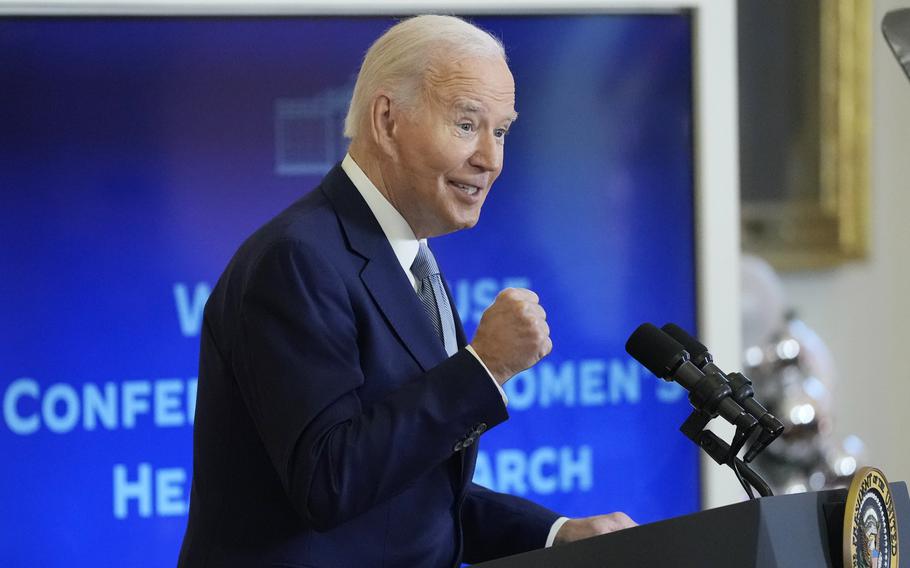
[{"x": 870, "y": 522}]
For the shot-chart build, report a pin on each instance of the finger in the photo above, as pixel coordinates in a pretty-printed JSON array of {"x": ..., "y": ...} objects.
[
  {"x": 623, "y": 520},
  {"x": 532, "y": 296},
  {"x": 544, "y": 328},
  {"x": 525, "y": 294},
  {"x": 548, "y": 348},
  {"x": 520, "y": 294},
  {"x": 530, "y": 312}
]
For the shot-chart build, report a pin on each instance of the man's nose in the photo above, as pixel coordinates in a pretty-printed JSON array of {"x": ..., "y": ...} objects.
[{"x": 488, "y": 153}]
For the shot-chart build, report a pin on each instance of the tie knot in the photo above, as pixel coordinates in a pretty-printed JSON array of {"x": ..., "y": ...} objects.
[{"x": 424, "y": 264}]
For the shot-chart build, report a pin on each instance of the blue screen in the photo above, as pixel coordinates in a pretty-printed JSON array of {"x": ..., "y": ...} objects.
[{"x": 136, "y": 154}]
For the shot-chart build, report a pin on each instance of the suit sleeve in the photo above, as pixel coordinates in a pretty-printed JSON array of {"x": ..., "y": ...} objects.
[
  {"x": 498, "y": 524},
  {"x": 298, "y": 369}
]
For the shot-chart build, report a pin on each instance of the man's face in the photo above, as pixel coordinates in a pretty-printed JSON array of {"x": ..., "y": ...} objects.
[{"x": 450, "y": 148}]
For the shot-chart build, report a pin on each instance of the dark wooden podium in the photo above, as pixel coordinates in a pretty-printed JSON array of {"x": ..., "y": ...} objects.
[{"x": 788, "y": 531}]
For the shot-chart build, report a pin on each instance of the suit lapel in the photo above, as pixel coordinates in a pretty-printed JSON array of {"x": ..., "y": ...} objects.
[{"x": 382, "y": 275}]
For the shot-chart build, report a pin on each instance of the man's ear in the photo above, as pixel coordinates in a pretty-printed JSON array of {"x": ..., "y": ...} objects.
[{"x": 384, "y": 124}]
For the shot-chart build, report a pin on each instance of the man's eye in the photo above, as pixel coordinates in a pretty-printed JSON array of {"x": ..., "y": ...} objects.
[
  {"x": 466, "y": 126},
  {"x": 501, "y": 132}
]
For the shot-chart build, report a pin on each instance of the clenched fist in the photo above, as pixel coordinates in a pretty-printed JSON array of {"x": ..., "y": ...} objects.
[{"x": 512, "y": 334}]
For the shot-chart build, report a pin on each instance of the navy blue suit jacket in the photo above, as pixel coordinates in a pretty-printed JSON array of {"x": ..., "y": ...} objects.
[{"x": 331, "y": 428}]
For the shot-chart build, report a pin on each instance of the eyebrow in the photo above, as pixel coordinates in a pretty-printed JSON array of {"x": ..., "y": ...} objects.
[
  {"x": 468, "y": 106},
  {"x": 473, "y": 107}
]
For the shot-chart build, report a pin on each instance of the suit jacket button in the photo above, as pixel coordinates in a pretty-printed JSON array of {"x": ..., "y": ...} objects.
[
  {"x": 481, "y": 428},
  {"x": 468, "y": 441},
  {"x": 459, "y": 445}
]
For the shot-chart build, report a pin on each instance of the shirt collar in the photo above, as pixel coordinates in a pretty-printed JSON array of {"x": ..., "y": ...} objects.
[{"x": 399, "y": 234}]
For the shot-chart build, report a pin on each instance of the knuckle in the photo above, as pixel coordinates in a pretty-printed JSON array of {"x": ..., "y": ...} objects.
[
  {"x": 510, "y": 296},
  {"x": 541, "y": 330},
  {"x": 621, "y": 518}
]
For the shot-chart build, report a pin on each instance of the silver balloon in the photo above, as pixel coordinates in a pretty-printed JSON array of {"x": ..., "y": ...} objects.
[
  {"x": 762, "y": 300},
  {"x": 814, "y": 356},
  {"x": 793, "y": 374},
  {"x": 801, "y": 402}
]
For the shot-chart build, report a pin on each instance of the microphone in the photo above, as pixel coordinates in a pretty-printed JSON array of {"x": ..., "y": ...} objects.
[
  {"x": 668, "y": 359},
  {"x": 743, "y": 393}
]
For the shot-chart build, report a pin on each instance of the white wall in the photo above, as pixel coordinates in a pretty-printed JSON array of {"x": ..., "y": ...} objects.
[{"x": 862, "y": 310}]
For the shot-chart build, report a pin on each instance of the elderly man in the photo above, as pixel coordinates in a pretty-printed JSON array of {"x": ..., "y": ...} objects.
[{"x": 339, "y": 402}]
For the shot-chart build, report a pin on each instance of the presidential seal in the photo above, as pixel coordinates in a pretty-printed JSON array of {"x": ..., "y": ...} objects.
[{"x": 870, "y": 522}]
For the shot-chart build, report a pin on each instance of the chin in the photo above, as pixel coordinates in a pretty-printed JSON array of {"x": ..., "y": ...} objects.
[
  {"x": 454, "y": 226},
  {"x": 468, "y": 220}
]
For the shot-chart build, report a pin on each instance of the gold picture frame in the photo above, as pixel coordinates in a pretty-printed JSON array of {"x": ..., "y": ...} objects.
[{"x": 816, "y": 217}]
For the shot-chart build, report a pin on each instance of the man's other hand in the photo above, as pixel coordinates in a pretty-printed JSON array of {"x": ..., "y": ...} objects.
[
  {"x": 512, "y": 334},
  {"x": 577, "y": 529}
]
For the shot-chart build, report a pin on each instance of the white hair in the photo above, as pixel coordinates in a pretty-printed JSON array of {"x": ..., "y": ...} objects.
[{"x": 398, "y": 60}]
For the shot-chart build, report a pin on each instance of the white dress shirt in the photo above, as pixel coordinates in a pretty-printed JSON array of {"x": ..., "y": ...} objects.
[{"x": 405, "y": 246}]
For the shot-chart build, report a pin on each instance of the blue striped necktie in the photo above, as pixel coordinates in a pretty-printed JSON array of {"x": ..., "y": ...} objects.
[{"x": 433, "y": 297}]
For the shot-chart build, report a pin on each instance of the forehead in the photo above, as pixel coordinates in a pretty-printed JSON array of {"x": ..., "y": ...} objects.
[{"x": 474, "y": 85}]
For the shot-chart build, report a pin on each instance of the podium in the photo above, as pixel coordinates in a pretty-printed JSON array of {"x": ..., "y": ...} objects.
[{"x": 771, "y": 532}]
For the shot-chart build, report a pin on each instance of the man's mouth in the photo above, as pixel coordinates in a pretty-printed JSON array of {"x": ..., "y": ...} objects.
[{"x": 470, "y": 190}]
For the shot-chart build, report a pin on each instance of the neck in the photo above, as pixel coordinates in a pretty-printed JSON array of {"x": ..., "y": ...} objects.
[{"x": 371, "y": 162}]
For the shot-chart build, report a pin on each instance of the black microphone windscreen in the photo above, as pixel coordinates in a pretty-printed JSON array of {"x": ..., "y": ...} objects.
[
  {"x": 654, "y": 349},
  {"x": 692, "y": 345}
]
